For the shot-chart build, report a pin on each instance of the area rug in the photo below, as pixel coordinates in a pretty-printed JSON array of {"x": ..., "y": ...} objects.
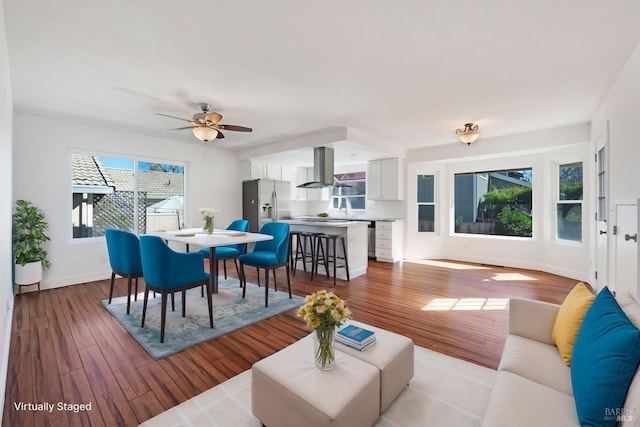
[
  {"x": 444, "y": 391},
  {"x": 230, "y": 312}
]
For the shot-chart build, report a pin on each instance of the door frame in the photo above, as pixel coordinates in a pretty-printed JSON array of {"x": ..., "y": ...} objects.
[{"x": 602, "y": 233}]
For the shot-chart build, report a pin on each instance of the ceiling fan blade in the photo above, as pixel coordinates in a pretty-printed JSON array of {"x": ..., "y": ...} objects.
[
  {"x": 186, "y": 127},
  {"x": 235, "y": 128},
  {"x": 173, "y": 117},
  {"x": 220, "y": 135},
  {"x": 213, "y": 118}
]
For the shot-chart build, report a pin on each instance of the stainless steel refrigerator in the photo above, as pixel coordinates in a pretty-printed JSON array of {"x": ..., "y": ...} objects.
[{"x": 265, "y": 200}]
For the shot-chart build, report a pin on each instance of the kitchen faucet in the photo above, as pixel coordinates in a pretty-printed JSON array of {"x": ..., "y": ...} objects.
[{"x": 346, "y": 207}]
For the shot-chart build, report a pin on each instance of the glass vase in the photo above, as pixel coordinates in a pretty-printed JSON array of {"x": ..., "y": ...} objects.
[
  {"x": 208, "y": 224},
  {"x": 325, "y": 348}
]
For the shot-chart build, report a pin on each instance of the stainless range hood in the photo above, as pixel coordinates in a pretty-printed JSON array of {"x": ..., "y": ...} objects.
[{"x": 322, "y": 169}]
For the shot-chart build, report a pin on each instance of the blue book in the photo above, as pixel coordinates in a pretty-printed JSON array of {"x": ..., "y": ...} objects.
[{"x": 355, "y": 333}]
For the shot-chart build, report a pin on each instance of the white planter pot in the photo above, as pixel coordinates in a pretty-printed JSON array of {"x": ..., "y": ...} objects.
[{"x": 29, "y": 274}]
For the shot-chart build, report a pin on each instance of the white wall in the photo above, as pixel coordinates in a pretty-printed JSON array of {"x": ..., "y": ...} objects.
[
  {"x": 6, "y": 209},
  {"x": 543, "y": 251},
  {"x": 621, "y": 107},
  {"x": 42, "y": 175}
]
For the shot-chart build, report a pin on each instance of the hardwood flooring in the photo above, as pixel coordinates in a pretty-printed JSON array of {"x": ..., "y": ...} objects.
[{"x": 65, "y": 347}]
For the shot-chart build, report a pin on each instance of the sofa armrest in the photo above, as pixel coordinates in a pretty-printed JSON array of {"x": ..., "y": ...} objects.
[{"x": 532, "y": 319}]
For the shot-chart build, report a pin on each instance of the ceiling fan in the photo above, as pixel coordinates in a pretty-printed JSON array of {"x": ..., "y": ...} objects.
[{"x": 205, "y": 125}]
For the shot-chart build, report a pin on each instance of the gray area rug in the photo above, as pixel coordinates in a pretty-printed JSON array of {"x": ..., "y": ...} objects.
[{"x": 230, "y": 312}]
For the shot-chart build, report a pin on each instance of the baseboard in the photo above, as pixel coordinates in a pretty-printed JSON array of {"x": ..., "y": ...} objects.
[
  {"x": 5, "y": 355},
  {"x": 551, "y": 269},
  {"x": 60, "y": 282}
]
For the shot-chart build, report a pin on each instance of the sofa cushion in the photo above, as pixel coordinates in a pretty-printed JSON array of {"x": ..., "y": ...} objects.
[
  {"x": 605, "y": 359},
  {"x": 518, "y": 401},
  {"x": 631, "y": 413},
  {"x": 569, "y": 319},
  {"x": 630, "y": 307},
  {"x": 536, "y": 361}
]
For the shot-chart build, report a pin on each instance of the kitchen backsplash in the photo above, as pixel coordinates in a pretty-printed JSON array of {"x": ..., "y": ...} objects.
[{"x": 375, "y": 209}]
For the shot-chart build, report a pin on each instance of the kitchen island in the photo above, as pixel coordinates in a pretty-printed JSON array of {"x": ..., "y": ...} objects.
[{"x": 356, "y": 238}]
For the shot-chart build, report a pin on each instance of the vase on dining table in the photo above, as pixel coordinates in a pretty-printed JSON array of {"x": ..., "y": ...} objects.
[
  {"x": 325, "y": 347},
  {"x": 208, "y": 224}
]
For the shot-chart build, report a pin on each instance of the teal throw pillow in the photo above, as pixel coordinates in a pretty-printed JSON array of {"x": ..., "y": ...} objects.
[{"x": 605, "y": 358}]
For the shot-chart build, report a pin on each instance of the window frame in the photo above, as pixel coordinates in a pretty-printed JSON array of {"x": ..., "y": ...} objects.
[
  {"x": 125, "y": 157},
  {"x": 558, "y": 201},
  {"x": 340, "y": 197},
  {"x": 434, "y": 176},
  {"x": 489, "y": 170}
]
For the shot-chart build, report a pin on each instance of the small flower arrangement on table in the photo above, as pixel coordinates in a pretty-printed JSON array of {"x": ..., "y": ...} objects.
[
  {"x": 324, "y": 312},
  {"x": 208, "y": 215}
]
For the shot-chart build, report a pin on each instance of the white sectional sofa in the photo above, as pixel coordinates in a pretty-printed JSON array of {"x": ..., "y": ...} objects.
[{"x": 533, "y": 385}]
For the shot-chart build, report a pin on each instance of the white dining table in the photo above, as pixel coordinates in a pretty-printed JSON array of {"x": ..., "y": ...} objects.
[{"x": 196, "y": 236}]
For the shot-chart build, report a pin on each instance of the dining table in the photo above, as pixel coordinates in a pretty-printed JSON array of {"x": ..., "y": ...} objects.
[{"x": 199, "y": 237}]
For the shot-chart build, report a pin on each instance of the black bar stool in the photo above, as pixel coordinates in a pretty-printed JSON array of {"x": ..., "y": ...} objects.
[
  {"x": 319, "y": 254},
  {"x": 327, "y": 253},
  {"x": 304, "y": 240}
]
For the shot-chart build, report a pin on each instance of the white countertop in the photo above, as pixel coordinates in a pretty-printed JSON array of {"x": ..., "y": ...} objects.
[
  {"x": 355, "y": 219},
  {"x": 324, "y": 222}
]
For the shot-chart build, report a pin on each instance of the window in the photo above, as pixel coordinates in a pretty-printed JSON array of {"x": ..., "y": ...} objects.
[
  {"x": 426, "y": 203},
  {"x": 125, "y": 194},
  {"x": 495, "y": 203},
  {"x": 349, "y": 191},
  {"x": 602, "y": 185},
  {"x": 569, "y": 204}
]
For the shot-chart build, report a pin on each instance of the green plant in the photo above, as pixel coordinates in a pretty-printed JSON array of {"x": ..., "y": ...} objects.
[
  {"x": 29, "y": 234},
  {"x": 504, "y": 196},
  {"x": 512, "y": 222}
]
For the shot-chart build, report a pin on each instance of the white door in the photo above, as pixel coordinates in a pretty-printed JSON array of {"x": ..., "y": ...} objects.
[
  {"x": 626, "y": 248},
  {"x": 601, "y": 210}
]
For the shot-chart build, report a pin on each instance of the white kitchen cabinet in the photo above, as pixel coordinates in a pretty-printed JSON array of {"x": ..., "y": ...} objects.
[
  {"x": 311, "y": 194},
  {"x": 389, "y": 240},
  {"x": 384, "y": 179},
  {"x": 257, "y": 169},
  {"x": 273, "y": 171},
  {"x": 260, "y": 170},
  {"x": 301, "y": 178}
]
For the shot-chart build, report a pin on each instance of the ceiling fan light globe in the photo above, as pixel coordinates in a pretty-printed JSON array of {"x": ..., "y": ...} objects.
[
  {"x": 204, "y": 133},
  {"x": 469, "y": 136}
]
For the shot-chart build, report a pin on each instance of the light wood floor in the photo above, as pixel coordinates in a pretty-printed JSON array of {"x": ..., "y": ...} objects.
[{"x": 65, "y": 347}]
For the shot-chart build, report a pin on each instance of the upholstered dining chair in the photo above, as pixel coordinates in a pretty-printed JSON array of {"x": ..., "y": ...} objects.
[
  {"x": 268, "y": 255},
  {"x": 224, "y": 253},
  {"x": 167, "y": 271},
  {"x": 124, "y": 256}
]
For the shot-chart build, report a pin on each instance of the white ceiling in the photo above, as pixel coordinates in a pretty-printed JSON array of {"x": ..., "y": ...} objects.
[{"x": 396, "y": 75}]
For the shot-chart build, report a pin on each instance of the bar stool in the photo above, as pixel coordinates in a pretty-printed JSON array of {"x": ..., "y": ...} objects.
[
  {"x": 319, "y": 254},
  {"x": 303, "y": 240},
  {"x": 327, "y": 244}
]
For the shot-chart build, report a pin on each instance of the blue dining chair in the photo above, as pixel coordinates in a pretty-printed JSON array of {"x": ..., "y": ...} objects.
[
  {"x": 268, "y": 255},
  {"x": 224, "y": 253},
  {"x": 167, "y": 271},
  {"x": 124, "y": 257}
]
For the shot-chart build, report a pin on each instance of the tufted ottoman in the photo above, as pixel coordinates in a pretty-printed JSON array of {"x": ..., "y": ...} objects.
[
  {"x": 392, "y": 354},
  {"x": 288, "y": 390}
]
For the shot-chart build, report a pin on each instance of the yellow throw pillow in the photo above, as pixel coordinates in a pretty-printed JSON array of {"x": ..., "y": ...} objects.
[{"x": 569, "y": 319}]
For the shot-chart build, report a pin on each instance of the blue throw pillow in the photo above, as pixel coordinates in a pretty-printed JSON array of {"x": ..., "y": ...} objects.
[{"x": 605, "y": 358}]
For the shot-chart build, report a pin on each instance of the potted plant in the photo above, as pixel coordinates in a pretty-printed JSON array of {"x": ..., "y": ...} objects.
[{"x": 29, "y": 236}]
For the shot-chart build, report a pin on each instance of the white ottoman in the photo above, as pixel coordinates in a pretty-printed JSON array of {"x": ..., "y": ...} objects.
[
  {"x": 392, "y": 354},
  {"x": 288, "y": 390}
]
